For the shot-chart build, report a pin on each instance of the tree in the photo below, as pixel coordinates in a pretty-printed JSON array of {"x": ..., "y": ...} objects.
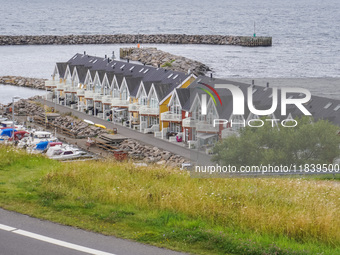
[{"x": 308, "y": 143}]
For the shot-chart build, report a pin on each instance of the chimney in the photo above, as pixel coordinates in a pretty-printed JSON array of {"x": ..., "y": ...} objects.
[
  {"x": 159, "y": 65},
  {"x": 108, "y": 60},
  {"x": 113, "y": 55},
  {"x": 105, "y": 56},
  {"x": 84, "y": 52},
  {"x": 211, "y": 76},
  {"x": 253, "y": 82},
  {"x": 128, "y": 60},
  {"x": 267, "y": 84}
]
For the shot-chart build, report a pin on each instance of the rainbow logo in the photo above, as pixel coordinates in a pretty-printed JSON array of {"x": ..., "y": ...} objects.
[{"x": 209, "y": 93}]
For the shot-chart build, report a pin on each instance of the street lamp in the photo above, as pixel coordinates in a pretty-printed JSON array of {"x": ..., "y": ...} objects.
[{"x": 13, "y": 98}]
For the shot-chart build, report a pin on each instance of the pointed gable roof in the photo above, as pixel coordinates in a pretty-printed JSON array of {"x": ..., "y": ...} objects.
[
  {"x": 61, "y": 68},
  {"x": 162, "y": 90},
  {"x": 133, "y": 85},
  {"x": 183, "y": 96},
  {"x": 81, "y": 71}
]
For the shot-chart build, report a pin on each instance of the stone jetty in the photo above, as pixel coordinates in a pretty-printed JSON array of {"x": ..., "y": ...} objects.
[
  {"x": 151, "y": 154},
  {"x": 247, "y": 41},
  {"x": 158, "y": 58},
  {"x": 23, "y": 81}
]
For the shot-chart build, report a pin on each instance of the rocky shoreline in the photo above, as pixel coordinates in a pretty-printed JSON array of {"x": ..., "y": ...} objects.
[
  {"x": 158, "y": 58},
  {"x": 151, "y": 154},
  {"x": 146, "y": 153},
  {"x": 247, "y": 41},
  {"x": 23, "y": 82}
]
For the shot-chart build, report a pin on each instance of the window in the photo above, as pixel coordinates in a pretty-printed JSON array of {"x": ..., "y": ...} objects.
[
  {"x": 106, "y": 88},
  {"x": 143, "y": 99},
  {"x": 124, "y": 94},
  {"x": 196, "y": 114},
  {"x": 141, "y": 70},
  {"x": 254, "y": 91},
  {"x": 175, "y": 107},
  {"x": 131, "y": 68},
  {"x": 115, "y": 92},
  {"x": 95, "y": 61},
  {"x": 97, "y": 87},
  {"x": 175, "y": 76},
  {"x": 170, "y": 76},
  {"x": 146, "y": 71},
  {"x": 211, "y": 114},
  {"x": 153, "y": 100},
  {"x": 122, "y": 66},
  {"x": 337, "y": 108},
  {"x": 327, "y": 105}
]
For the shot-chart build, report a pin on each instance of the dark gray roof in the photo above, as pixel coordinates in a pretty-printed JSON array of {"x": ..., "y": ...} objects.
[
  {"x": 183, "y": 96},
  {"x": 162, "y": 90},
  {"x": 147, "y": 86},
  {"x": 110, "y": 76},
  {"x": 124, "y": 69},
  {"x": 93, "y": 74},
  {"x": 119, "y": 78},
  {"x": 133, "y": 85},
  {"x": 61, "y": 66},
  {"x": 81, "y": 71},
  {"x": 101, "y": 74}
]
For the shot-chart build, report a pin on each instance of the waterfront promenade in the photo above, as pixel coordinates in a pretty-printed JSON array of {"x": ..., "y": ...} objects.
[{"x": 148, "y": 139}]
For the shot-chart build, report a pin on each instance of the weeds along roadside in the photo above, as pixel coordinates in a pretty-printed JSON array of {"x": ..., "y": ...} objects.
[{"x": 166, "y": 207}]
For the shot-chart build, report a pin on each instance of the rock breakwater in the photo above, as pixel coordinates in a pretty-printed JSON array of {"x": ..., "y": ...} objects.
[
  {"x": 133, "y": 38},
  {"x": 158, "y": 58},
  {"x": 23, "y": 81},
  {"x": 151, "y": 154}
]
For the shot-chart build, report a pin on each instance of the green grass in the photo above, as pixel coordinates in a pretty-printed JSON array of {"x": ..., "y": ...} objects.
[
  {"x": 168, "y": 64},
  {"x": 167, "y": 208}
]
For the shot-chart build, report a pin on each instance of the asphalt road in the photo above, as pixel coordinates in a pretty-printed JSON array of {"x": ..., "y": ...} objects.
[
  {"x": 24, "y": 235},
  {"x": 198, "y": 157}
]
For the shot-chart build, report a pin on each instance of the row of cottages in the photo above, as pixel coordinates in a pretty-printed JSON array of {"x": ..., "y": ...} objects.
[
  {"x": 132, "y": 94},
  {"x": 199, "y": 130},
  {"x": 165, "y": 102}
]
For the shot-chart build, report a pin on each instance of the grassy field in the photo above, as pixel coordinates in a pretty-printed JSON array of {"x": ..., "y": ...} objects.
[{"x": 167, "y": 208}]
